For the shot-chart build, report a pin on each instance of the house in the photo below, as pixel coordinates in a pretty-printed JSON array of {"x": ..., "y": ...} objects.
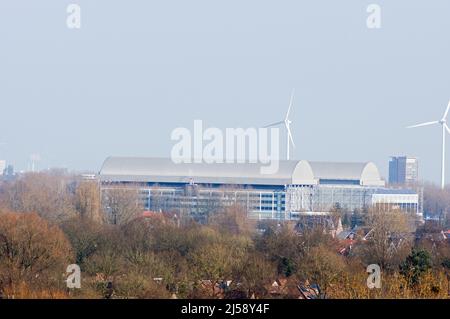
[
  {"x": 347, "y": 239},
  {"x": 218, "y": 289},
  {"x": 347, "y": 235},
  {"x": 309, "y": 291},
  {"x": 346, "y": 246},
  {"x": 329, "y": 224},
  {"x": 290, "y": 288},
  {"x": 278, "y": 287},
  {"x": 364, "y": 233},
  {"x": 434, "y": 235}
]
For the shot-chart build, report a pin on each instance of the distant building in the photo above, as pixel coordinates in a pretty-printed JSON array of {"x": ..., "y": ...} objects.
[
  {"x": 88, "y": 176},
  {"x": 403, "y": 170},
  {"x": 2, "y": 166},
  {"x": 298, "y": 187},
  {"x": 8, "y": 173}
]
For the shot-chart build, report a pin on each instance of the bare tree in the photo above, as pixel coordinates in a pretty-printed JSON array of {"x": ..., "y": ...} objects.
[
  {"x": 390, "y": 237},
  {"x": 87, "y": 201},
  {"x": 31, "y": 252},
  {"x": 255, "y": 273},
  {"x": 322, "y": 266},
  {"x": 436, "y": 201},
  {"x": 47, "y": 194},
  {"x": 122, "y": 205},
  {"x": 233, "y": 220}
]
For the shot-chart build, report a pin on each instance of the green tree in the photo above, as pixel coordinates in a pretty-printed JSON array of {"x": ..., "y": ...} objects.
[{"x": 416, "y": 265}]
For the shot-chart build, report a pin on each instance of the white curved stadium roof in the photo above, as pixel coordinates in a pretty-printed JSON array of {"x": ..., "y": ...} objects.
[
  {"x": 164, "y": 170},
  {"x": 366, "y": 173}
]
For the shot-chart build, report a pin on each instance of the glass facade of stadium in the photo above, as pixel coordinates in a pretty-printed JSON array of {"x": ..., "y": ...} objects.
[
  {"x": 269, "y": 198},
  {"x": 350, "y": 198}
]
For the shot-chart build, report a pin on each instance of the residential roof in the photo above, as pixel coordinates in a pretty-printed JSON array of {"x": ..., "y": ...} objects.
[
  {"x": 345, "y": 234},
  {"x": 164, "y": 170}
]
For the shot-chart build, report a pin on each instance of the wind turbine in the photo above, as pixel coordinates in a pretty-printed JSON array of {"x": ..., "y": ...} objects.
[
  {"x": 445, "y": 127},
  {"x": 287, "y": 123}
]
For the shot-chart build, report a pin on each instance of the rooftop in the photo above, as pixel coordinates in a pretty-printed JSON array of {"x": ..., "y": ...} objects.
[{"x": 164, "y": 170}]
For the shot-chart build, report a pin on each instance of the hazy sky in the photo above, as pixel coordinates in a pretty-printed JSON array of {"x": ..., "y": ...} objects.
[{"x": 138, "y": 69}]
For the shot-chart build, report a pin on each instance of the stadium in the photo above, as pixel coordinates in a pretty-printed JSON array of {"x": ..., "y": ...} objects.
[{"x": 299, "y": 187}]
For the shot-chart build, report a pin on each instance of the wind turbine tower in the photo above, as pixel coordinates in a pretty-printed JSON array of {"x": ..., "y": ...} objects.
[
  {"x": 287, "y": 123},
  {"x": 443, "y": 122}
]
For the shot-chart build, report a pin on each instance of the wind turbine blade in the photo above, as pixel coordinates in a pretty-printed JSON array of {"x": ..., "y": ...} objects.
[
  {"x": 423, "y": 124},
  {"x": 447, "y": 128},
  {"x": 446, "y": 111},
  {"x": 274, "y": 124},
  {"x": 290, "y": 105},
  {"x": 290, "y": 135}
]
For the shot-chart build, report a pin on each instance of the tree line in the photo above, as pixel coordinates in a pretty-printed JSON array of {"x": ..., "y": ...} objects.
[{"x": 51, "y": 220}]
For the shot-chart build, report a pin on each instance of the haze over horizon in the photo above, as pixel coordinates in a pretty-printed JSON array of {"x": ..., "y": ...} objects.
[{"x": 134, "y": 72}]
